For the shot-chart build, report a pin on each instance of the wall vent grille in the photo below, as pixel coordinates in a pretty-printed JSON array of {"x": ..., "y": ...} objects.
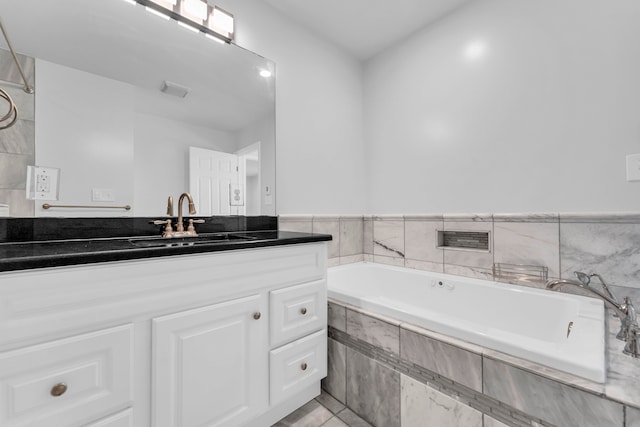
[{"x": 473, "y": 240}]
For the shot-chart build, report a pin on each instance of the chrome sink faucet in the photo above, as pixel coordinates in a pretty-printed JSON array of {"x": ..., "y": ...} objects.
[{"x": 629, "y": 329}]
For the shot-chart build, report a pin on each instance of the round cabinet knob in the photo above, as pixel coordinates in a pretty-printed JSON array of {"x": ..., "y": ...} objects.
[
  {"x": 303, "y": 311},
  {"x": 303, "y": 366},
  {"x": 58, "y": 389},
  {"x": 257, "y": 315}
]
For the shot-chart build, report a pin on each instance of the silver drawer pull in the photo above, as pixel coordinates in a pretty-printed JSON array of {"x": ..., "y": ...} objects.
[
  {"x": 58, "y": 389},
  {"x": 303, "y": 366},
  {"x": 303, "y": 311},
  {"x": 257, "y": 315}
]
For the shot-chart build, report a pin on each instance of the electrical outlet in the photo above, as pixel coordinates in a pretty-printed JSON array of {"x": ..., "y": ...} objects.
[
  {"x": 42, "y": 183},
  {"x": 236, "y": 197}
]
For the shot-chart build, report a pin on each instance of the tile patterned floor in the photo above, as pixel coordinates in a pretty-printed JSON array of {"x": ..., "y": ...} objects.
[{"x": 323, "y": 411}]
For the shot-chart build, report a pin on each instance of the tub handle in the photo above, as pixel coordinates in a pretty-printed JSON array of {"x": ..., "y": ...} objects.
[
  {"x": 303, "y": 310},
  {"x": 569, "y": 327}
]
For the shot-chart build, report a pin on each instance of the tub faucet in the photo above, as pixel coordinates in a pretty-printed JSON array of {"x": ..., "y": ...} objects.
[
  {"x": 629, "y": 329},
  {"x": 586, "y": 279}
]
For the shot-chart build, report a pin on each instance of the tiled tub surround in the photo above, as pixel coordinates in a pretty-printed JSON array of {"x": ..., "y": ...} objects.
[
  {"x": 396, "y": 374},
  {"x": 590, "y": 242},
  {"x": 524, "y": 322}
]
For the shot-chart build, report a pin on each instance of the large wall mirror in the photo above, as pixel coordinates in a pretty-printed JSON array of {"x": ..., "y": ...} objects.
[{"x": 112, "y": 116}]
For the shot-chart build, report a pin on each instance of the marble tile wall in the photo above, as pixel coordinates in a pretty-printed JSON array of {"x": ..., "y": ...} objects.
[
  {"x": 440, "y": 381},
  {"x": 423, "y": 406},
  {"x": 347, "y": 232},
  {"x": 17, "y": 143},
  {"x": 563, "y": 243}
]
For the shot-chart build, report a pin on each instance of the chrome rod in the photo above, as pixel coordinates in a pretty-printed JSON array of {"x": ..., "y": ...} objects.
[
  {"x": 27, "y": 88},
  {"x": 48, "y": 206}
]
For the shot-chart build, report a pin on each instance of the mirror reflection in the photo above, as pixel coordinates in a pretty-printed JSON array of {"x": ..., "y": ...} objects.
[{"x": 130, "y": 109}]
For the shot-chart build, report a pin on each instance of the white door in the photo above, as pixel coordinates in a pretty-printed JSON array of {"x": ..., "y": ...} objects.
[
  {"x": 210, "y": 365},
  {"x": 211, "y": 175}
]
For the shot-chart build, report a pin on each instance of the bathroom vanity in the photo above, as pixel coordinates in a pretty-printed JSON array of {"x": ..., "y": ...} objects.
[{"x": 227, "y": 336}]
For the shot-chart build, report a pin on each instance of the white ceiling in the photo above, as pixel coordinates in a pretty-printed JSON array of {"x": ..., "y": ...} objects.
[{"x": 364, "y": 28}]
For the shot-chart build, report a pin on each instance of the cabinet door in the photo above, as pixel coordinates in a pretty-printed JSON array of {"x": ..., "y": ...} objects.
[
  {"x": 210, "y": 365},
  {"x": 66, "y": 382}
]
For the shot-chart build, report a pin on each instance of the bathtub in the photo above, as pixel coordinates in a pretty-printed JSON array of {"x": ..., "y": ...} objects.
[{"x": 524, "y": 322}]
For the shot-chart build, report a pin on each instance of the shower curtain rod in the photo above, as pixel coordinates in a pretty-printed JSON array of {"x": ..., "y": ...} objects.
[{"x": 27, "y": 88}]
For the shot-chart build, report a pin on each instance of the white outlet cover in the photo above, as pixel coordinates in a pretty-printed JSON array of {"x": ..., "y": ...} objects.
[
  {"x": 236, "y": 195},
  {"x": 42, "y": 183},
  {"x": 633, "y": 167}
]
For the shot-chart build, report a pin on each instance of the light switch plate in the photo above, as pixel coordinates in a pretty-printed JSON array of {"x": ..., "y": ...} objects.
[
  {"x": 103, "y": 195},
  {"x": 633, "y": 167}
]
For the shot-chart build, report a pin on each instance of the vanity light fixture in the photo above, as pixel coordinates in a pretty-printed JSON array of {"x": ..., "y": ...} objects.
[
  {"x": 221, "y": 22},
  {"x": 195, "y": 15}
]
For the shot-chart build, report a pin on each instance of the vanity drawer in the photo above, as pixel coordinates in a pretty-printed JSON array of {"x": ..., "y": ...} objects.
[
  {"x": 67, "y": 382},
  {"x": 121, "y": 419},
  {"x": 297, "y": 310},
  {"x": 297, "y": 365}
]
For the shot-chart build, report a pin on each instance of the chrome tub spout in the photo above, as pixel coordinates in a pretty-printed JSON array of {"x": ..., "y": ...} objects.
[{"x": 629, "y": 329}]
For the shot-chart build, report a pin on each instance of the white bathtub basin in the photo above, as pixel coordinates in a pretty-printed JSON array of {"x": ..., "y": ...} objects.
[{"x": 524, "y": 322}]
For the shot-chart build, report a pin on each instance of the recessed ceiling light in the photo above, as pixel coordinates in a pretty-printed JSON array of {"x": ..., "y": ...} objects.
[
  {"x": 265, "y": 73},
  {"x": 475, "y": 50}
]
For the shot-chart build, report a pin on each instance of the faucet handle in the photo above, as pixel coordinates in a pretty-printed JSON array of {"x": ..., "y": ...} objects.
[
  {"x": 191, "y": 228},
  {"x": 170, "y": 206},
  {"x": 168, "y": 228},
  {"x": 633, "y": 347}
]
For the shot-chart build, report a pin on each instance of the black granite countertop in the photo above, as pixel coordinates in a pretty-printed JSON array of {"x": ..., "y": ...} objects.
[{"x": 54, "y": 253}]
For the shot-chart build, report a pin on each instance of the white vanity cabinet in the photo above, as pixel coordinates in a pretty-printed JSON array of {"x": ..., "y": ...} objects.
[
  {"x": 234, "y": 338},
  {"x": 209, "y": 365}
]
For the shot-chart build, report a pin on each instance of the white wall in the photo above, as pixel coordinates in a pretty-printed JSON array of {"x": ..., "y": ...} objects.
[
  {"x": 508, "y": 106},
  {"x": 87, "y": 117},
  {"x": 319, "y": 158},
  {"x": 161, "y": 155}
]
